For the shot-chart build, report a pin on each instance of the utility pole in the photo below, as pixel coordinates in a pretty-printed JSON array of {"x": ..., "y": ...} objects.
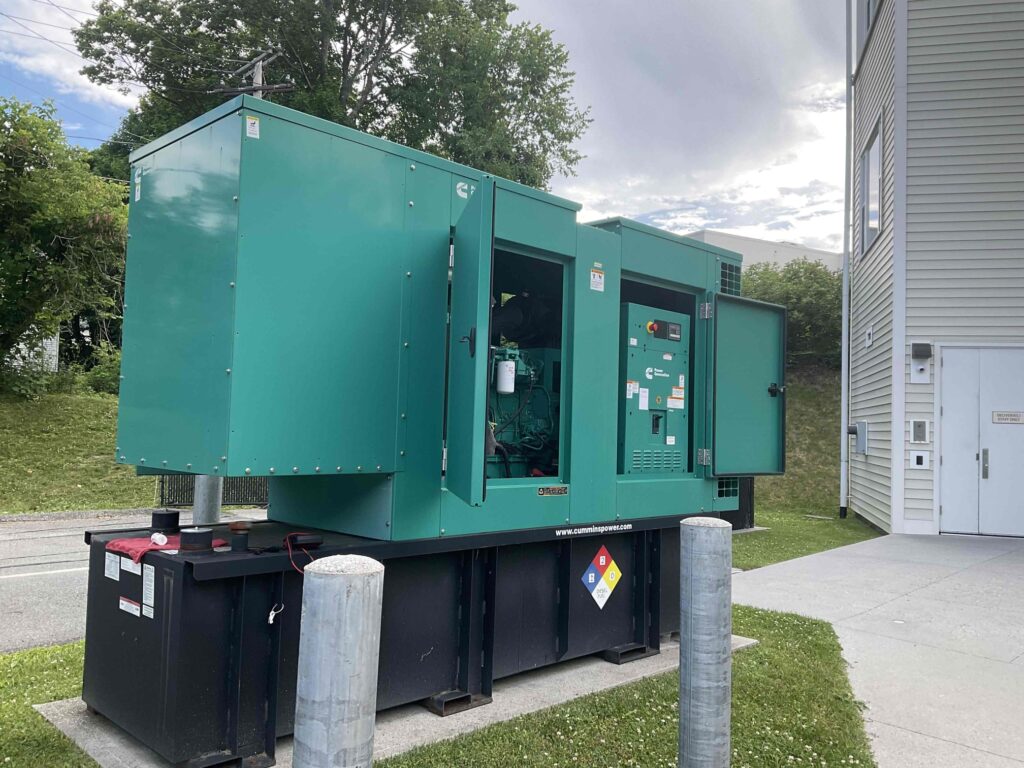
[{"x": 254, "y": 69}]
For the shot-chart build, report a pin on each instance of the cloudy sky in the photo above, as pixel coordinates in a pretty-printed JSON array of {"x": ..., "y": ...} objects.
[{"x": 726, "y": 114}]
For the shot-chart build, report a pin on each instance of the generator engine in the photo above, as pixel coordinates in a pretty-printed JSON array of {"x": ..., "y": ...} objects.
[{"x": 523, "y": 413}]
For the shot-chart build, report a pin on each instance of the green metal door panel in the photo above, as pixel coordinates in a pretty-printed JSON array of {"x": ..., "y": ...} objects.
[
  {"x": 749, "y": 413},
  {"x": 360, "y": 505},
  {"x": 593, "y": 369},
  {"x": 424, "y": 312},
  {"x": 526, "y": 220},
  {"x": 178, "y": 329},
  {"x": 318, "y": 345},
  {"x": 462, "y": 188},
  {"x": 639, "y": 499},
  {"x": 469, "y": 346},
  {"x": 511, "y": 505}
]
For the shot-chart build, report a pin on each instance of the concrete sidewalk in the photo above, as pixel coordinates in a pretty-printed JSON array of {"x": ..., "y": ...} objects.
[{"x": 933, "y": 630}]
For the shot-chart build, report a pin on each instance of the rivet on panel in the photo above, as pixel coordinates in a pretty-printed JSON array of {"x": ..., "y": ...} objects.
[
  {"x": 223, "y": 458},
  {"x": 411, "y": 203},
  {"x": 248, "y": 471},
  {"x": 412, "y": 166},
  {"x": 378, "y": 467},
  {"x": 406, "y": 344},
  {"x": 442, "y": 531},
  {"x": 316, "y": 469},
  {"x": 164, "y": 462},
  {"x": 337, "y": 469},
  {"x": 122, "y": 458},
  {"x": 231, "y": 285},
  {"x": 359, "y": 468},
  {"x": 235, "y": 198},
  {"x": 272, "y": 470},
  {"x": 401, "y": 453},
  {"x": 227, "y": 371},
  {"x": 295, "y": 470},
  {"x": 188, "y": 466},
  {"x": 403, "y": 415},
  {"x": 142, "y": 461},
  {"x": 408, "y": 274},
  {"x": 387, "y": 523},
  {"x": 216, "y": 469}
]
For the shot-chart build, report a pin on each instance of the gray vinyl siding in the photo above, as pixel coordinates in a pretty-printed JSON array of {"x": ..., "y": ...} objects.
[
  {"x": 965, "y": 189},
  {"x": 871, "y": 283}
]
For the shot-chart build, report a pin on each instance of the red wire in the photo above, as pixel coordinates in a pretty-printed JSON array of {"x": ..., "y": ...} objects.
[{"x": 291, "y": 559}]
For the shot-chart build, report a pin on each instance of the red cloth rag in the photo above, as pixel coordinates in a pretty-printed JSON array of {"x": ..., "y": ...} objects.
[{"x": 136, "y": 548}]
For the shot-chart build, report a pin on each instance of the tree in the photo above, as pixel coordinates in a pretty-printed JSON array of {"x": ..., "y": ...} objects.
[
  {"x": 452, "y": 76},
  {"x": 489, "y": 94},
  {"x": 812, "y": 295},
  {"x": 64, "y": 228}
]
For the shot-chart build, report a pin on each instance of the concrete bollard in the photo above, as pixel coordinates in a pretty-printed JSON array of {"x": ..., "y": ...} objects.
[
  {"x": 705, "y": 643},
  {"x": 339, "y": 646},
  {"x": 206, "y": 498}
]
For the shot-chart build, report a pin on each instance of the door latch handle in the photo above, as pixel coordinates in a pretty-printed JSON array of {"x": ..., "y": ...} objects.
[
  {"x": 774, "y": 389},
  {"x": 984, "y": 463},
  {"x": 471, "y": 340}
]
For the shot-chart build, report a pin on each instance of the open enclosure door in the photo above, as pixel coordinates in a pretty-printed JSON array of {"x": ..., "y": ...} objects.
[
  {"x": 469, "y": 347},
  {"x": 749, "y": 411}
]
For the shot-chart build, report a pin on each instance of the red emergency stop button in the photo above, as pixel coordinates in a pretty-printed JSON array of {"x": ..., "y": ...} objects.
[{"x": 652, "y": 326}]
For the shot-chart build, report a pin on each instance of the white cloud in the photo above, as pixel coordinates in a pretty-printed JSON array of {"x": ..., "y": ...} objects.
[
  {"x": 724, "y": 114},
  {"x": 54, "y": 60}
]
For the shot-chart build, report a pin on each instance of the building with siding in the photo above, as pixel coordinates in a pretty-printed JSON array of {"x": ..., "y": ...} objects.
[
  {"x": 757, "y": 251},
  {"x": 936, "y": 266}
]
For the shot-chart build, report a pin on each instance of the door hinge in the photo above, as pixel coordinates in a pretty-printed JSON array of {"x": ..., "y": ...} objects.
[
  {"x": 706, "y": 312},
  {"x": 444, "y": 459},
  {"x": 451, "y": 256},
  {"x": 704, "y": 457}
]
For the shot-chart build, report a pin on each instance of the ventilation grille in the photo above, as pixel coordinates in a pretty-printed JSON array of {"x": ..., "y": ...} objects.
[
  {"x": 730, "y": 279},
  {"x": 652, "y": 460},
  {"x": 728, "y": 487}
]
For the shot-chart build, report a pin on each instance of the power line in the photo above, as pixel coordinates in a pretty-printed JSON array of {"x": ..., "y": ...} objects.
[
  {"x": 64, "y": 11},
  {"x": 41, "y": 37},
  {"x": 105, "y": 141},
  {"x": 65, "y": 8},
  {"x": 44, "y": 23}
]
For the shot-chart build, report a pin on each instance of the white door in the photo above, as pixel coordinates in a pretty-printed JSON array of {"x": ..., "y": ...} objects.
[
  {"x": 1001, "y": 499},
  {"x": 959, "y": 476},
  {"x": 982, "y": 422}
]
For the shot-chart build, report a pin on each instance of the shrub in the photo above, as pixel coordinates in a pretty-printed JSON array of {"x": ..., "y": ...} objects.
[
  {"x": 105, "y": 373},
  {"x": 812, "y": 295}
]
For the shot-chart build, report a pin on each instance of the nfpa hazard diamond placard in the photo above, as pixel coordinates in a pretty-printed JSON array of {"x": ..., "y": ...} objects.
[{"x": 601, "y": 577}]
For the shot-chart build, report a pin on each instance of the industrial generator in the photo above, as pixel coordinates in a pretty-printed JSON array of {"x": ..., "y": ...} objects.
[{"x": 434, "y": 367}]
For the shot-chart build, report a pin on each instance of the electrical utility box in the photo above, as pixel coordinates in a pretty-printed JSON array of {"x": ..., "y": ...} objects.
[{"x": 434, "y": 367}]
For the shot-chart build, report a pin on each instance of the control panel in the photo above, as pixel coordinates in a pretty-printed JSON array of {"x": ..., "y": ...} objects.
[{"x": 654, "y": 412}]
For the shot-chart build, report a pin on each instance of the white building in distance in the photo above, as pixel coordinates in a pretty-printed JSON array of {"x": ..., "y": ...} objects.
[{"x": 755, "y": 251}]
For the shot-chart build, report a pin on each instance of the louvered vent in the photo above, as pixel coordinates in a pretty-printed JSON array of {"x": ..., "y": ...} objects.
[
  {"x": 652, "y": 460},
  {"x": 730, "y": 279},
  {"x": 728, "y": 487}
]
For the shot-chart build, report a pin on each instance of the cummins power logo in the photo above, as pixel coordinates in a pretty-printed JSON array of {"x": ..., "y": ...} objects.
[{"x": 601, "y": 577}]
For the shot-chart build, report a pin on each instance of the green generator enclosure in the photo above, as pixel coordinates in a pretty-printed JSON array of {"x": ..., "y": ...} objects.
[{"x": 413, "y": 349}]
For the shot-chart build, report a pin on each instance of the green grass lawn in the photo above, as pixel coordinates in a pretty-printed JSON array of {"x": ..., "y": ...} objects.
[
  {"x": 792, "y": 705},
  {"x": 57, "y": 453}
]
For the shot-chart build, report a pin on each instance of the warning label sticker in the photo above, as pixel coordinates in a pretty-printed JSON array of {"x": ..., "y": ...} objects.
[
  {"x": 252, "y": 127},
  {"x": 148, "y": 584},
  {"x": 676, "y": 402},
  {"x": 129, "y": 606},
  {"x": 131, "y": 567},
  {"x": 597, "y": 280},
  {"x": 112, "y": 566},
  {"x": 632, "y": 387},
  {"x": 601, "y": 577}
]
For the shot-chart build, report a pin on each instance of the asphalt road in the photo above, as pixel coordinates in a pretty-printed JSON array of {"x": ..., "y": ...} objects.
[{"x": 43, "y": 573}]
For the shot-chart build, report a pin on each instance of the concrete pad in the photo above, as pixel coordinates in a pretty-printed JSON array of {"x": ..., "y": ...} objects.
[
  {"x": 968, "y": 629},
  {"x": 952, "y": 696},
  {"x": 404, "y": 728},
  {"x": 933, "y": 630},
  {"x": 900, "y": 747}
]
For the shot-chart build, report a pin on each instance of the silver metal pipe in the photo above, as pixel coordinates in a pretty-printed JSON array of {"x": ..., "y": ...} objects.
[
  {"x": 844, "y": 438},
  {"x": 339, "y": 647},
  {"x": 705, "y": 643},
  {"x": 206, "y": 500}
]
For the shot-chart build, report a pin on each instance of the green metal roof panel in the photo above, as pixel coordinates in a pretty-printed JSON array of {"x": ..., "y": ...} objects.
[{"x": 636, "y": 226}]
